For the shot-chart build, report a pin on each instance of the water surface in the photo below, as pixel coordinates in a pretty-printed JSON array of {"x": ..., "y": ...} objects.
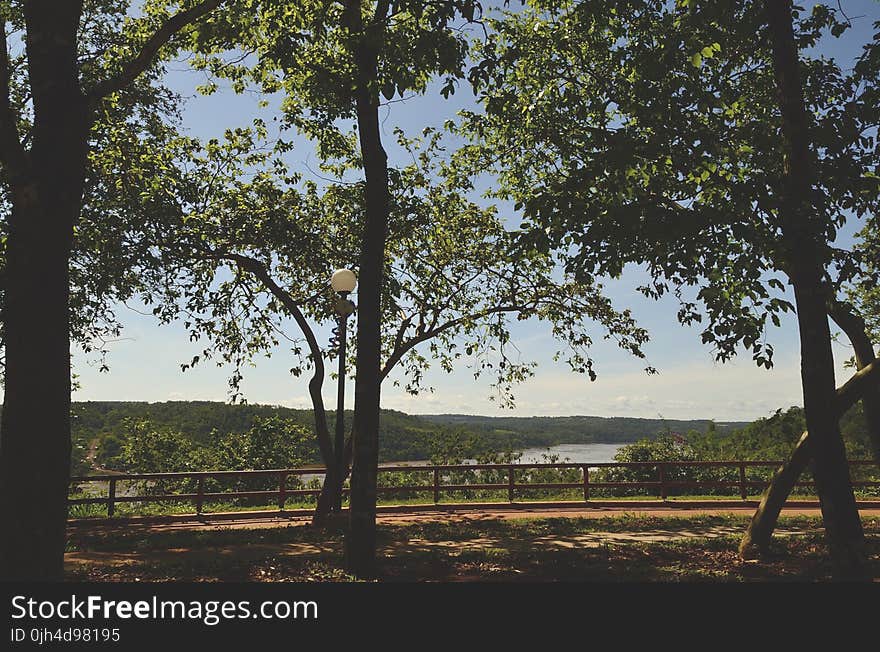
[{"x": 573, "y": 453}]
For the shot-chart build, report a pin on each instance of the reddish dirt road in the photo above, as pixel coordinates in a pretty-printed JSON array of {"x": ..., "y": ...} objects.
[{"x": 244, "y": 520}]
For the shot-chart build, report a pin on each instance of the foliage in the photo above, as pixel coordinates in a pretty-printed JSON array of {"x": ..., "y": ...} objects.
[
  {"x": 306, "y": 54},
  {"x": 669, "y": 447},
  {"x": 534, "y": 432},
  {"x": 131, "y": 146},
  {"x": 246, "y": 246},
  {"x": 187, "y": 436},
  {"x": 150, "y": 450},
  {"x": 270, "y": 443},
  {"x": 646, "y": 132},
  {"x": 774, "y": 437},
  {"x": 767, "y": 439}
]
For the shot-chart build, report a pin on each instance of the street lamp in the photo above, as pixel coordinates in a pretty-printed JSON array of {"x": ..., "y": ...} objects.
[{"x": 343, "y": 281}]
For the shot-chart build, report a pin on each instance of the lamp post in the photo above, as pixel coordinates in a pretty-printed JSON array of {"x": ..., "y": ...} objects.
[{"x": 343, "y": 282}]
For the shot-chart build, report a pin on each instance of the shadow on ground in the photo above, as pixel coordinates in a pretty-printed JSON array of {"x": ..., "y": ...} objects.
[{"x": 622, "y": 548}]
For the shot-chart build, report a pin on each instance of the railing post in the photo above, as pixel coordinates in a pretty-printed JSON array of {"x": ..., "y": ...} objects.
[
  {"x": 200, "y": 497},
  {"x": 510, "y": 483},
  {"x": 282, "y": 490},
  {"x": 586, "y": 470},
  {"x": 662, "y": 467},
  {"x": 436, "y": 486},
  {"x": 111, "y": 498},
  {"x": 742, "y": 482}
]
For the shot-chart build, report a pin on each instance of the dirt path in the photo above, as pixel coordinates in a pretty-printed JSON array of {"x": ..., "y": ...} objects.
[
  {"x": 462, "y": 515},
  {"x": 486, "y": 542},
  {"x": 92, "y": 459}
]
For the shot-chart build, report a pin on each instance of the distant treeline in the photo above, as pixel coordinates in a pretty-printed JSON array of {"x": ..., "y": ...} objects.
[
  {"x": 107, "y": 425},
  {"x": 529, "y": 432},
  {"x": 402, "y": 436}
]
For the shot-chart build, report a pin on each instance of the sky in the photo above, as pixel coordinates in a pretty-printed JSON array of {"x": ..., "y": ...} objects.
[{"x": 145, "y": 362}]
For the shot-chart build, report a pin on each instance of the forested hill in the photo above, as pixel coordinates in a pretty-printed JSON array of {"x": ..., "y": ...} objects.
[
  {"x": 402, "y": 436},
  {"x": 198, "y": 427},
  {"x": 537, "y": 431}
]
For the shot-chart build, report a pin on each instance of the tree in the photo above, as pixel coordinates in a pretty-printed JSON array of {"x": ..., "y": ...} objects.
[
  {"x": 651, "y": 134},
  {"x": 334, "y": 60},
  {"x": 803, "y": 238},
  {"x": 75, "y": 61},
  {"x": 259, "y": 249},
  {"x": 269, "y": 443},
  {"x": 857, "y": 316}
]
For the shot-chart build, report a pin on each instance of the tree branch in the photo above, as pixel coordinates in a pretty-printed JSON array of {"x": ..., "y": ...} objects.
[
  {"x": 381, "y": 11},
  {"x": 400, "y": 351},
  {"x": 144, "y": 58},
  {"x": 845, "y": 316},
  {"x": 259, "y": 270},
  {"x": 855, "y": 388}
]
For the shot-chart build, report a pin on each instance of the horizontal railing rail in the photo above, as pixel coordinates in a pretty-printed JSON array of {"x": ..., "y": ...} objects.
[{"x": 661, "y": 485}]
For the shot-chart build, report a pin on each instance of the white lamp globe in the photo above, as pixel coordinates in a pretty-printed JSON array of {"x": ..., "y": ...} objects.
[{"x": 343, "y": 280}]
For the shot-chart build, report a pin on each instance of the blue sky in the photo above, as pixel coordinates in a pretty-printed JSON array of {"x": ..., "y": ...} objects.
[{"x": 144, "y": 364}]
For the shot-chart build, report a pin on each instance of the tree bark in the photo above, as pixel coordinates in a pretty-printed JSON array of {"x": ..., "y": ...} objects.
[
  {"x": 802, "y": 229},
  {"x": 46, "y": 199},
  {"x": 325, "y": 504},
  {"x": 360, "y": 544}
]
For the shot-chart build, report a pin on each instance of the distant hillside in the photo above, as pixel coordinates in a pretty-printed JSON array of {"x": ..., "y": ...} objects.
[
  {"x": 402, "y": 436},
  {"x": 548, "y": 431}
]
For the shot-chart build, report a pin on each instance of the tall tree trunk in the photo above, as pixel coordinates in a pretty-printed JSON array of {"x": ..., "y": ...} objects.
[
  {"x": 801, "y": 229},
  {"x": 756, "y": 539},
  {"x": 35, "y": 432},
  {"x": 360, "y": 544}
]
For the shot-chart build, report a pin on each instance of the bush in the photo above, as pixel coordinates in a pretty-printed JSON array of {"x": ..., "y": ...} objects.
[{"x": 669, "y": 447}]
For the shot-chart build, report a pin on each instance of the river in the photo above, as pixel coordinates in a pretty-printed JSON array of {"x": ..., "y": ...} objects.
[
  {"x": 567, "y": 453},
  {"x": 573, "y": 453}
]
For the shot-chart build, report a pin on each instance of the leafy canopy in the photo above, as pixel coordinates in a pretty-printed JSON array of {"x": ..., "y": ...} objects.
[{"x": 638, "y": 131}]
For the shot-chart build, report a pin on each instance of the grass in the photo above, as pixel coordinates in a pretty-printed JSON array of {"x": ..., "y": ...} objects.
[{"x": 549, "y": 549}]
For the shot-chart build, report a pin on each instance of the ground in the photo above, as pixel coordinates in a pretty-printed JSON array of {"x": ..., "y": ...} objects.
[{"x": 556, "y": 545}]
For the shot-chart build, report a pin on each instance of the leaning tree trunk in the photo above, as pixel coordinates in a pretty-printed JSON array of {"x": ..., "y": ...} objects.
[
  {"x": 46, "y": 198},
  {"x": 845, "y": 316},
  {"x": 802, "y": 229},
  {"x": 756, "y": 539},
  {"x": 360, "y": 544}
]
